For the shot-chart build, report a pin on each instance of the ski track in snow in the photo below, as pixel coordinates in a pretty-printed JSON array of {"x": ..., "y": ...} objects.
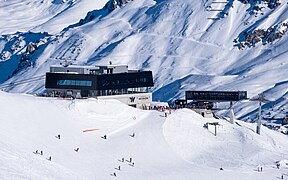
[
  {"x": 185, "y": 51},
  {"x": 162, "y": 148}
]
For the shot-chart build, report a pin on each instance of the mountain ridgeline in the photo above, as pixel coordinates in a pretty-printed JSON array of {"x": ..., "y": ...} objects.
[{"x": 189, "y": 45}]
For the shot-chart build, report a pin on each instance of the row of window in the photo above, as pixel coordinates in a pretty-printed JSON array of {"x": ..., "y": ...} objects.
[
  {"x": 216, "y": 95},
  {"x": 113, "y": 82},
  {"x": 74, "y": 83}
]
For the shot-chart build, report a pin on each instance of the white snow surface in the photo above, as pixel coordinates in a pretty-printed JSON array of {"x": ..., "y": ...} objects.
[
  {"x": 176, "y": 147},
  {"x": 174, "y": 38},
  {"x": 184, "y": 49},
  {"x": 43, "y": 15}
]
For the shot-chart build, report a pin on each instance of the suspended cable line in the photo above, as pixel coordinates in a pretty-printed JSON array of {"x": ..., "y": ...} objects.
[{"x": 24, "y": 81}]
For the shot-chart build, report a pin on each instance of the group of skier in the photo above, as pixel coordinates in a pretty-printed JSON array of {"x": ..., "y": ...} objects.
[
  {"x": 50, "y": 158},
  {"x": 260, "y": 169},
  {"x": 41, "y": 153},
  {"x": 37, "y": 152},
  {"x": 131, "y": 163},
  {"x": 278, "y": 167},
  {"x": 131, "y": 135}
]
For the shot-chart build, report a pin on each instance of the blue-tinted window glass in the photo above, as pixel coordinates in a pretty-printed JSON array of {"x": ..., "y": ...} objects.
[
  {"x": 60, "y": 82},
  {"x": 89, "y": 83},
  {"x": 74, "y": 83},
  {"x": 68, "y": 82}
]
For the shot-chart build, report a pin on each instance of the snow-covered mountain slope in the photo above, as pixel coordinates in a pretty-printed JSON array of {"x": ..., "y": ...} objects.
[
  {"x": 189, "y": 45},
  {"x": 176, "y": 147},
  {"x": 43, "y": 15}
]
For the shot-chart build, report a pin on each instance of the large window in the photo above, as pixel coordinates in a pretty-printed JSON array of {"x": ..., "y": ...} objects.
[
  {"x": 124, "y": 82},
  {"x": 74, "y": 83},
  {"x": 216, "y": 95}
]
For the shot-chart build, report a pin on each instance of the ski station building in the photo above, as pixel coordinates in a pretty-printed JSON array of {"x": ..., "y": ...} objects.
[
  {"x": 203, "y": 101},
  {"x": 131, "y": 87}
]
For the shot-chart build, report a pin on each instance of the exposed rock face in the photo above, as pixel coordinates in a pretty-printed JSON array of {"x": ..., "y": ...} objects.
[
  {"x": 271, "y": 3},
  {"x": 21, "y": 50},
  {"x": 31, "y": 47},
  {"x": 113, "y": 4},
  {"x": 261, "y": 35}
]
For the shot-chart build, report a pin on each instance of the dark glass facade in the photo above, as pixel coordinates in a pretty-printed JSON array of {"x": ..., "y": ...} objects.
[
  {"x": 124, "y": 80},
  {"x": 74, "y": 83},
  {"x": 99, "y": 82},
  {"x": 216, "y": 95}
]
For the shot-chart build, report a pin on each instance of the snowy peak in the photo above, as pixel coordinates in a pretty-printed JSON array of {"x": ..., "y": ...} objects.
[
  {"x": 206, "y": 45},
  {"x": 20, "y": 51}
]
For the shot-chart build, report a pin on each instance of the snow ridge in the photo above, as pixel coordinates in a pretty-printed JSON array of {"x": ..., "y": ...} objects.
[{"x": 175, "y": 39}]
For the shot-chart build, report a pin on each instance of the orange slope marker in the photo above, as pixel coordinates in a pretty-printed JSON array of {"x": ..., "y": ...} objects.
[{"x": 88, "y": 130}]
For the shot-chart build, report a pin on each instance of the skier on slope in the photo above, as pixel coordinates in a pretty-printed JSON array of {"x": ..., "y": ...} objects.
[{"x": 132, "y": 135}]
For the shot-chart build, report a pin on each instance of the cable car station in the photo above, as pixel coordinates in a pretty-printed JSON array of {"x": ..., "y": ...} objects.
[{"x": 128, "y": 86}]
